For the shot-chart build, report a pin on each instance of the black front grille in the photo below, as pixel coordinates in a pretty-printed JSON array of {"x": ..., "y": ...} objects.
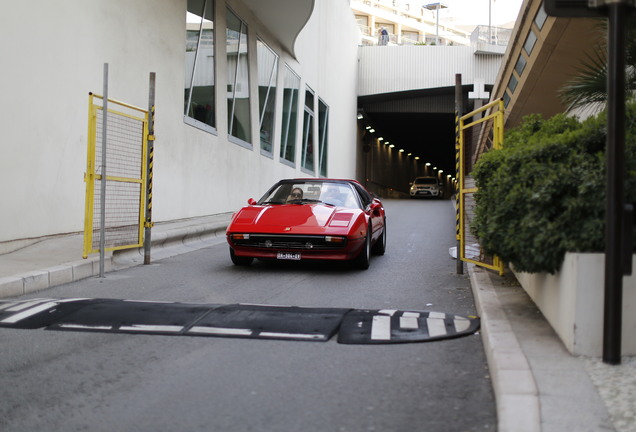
[{"x": 291, "y": 241}]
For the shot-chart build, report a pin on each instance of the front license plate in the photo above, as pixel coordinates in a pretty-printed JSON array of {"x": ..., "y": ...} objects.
[{"x": 288, "y": 256}]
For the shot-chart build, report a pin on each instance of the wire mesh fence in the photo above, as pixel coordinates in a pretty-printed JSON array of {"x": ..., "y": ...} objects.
[
  {"x": 126, "y": 141},
  {"x": 479, "y": 131}
]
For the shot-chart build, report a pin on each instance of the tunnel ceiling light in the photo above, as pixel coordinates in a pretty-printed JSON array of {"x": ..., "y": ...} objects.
[
  {"x": 428, "y": 164},
  {"x": 410, "y": 154},
  {"x": 392, "y": 145},
  {"x": 360, "y": 116},
  {"x": 401, "y": 150},
  {"x": 380, "y": 138},
  {"x": 368, "y": 127},
  {"x": 417, "y": 158},
  {"x": 371, "y": 130},
  {"x": 441, "y": 171}
]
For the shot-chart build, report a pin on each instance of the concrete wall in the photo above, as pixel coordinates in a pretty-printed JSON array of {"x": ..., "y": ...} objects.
[
  {"x": 53, "y": 56},
  {"x": 573, "y": 300},
  {"x": 402, "y": 68}
]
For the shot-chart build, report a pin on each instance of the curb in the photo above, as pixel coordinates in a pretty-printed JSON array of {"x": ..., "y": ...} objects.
[{"x": 516, "y": 393}]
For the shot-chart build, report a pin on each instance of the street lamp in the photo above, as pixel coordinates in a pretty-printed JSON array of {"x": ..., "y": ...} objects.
[{"x": 436, "y": 6}]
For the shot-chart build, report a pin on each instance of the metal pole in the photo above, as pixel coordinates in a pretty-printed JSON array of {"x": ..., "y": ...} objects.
[
  {"x": 437, "y": 25},
  {"x": 149, "y": 168},
  {"x": 459, "y": 176},
  {"x": 615, "y": 184},
  {"x": 102, "y": 218},
  {"x": 489, "y": 22}
]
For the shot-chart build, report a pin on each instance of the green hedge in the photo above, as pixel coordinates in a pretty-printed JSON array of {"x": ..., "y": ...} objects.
[{"x": 543, "y": 194}]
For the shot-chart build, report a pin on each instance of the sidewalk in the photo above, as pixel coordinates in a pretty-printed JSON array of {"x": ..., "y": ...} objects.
[
  {"x": 538, "y": 385},
  {"x": 58, "y": 260}
]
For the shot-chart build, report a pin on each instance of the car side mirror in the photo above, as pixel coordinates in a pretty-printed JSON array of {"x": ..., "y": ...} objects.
[
  {"x": 375, "y": 207},
  {"x": 251, "y": 201}
]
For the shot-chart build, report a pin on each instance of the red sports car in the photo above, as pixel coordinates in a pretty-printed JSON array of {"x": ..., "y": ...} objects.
[{"x": 310, "y": 219}]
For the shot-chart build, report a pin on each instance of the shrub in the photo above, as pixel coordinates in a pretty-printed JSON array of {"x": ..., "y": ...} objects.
[{"x": 543, "y": 194}]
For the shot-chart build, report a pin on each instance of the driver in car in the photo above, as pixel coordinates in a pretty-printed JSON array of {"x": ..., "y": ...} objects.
[{"x": 296, "y": 194}]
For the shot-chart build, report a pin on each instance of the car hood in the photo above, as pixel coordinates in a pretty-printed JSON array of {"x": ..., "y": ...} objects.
[{"x": 292, "y": 218}]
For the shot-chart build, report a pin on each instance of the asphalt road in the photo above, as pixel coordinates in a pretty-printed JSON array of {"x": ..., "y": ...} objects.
[{"x": 74, "y": 381}]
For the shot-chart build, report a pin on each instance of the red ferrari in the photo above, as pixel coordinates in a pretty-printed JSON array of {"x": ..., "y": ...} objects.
[{"x": 309, "y": 219}]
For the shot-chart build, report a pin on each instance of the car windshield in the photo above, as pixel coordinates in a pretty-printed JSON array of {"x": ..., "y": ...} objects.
[
  {"x": 426, "y": 180},
  {"x": 339, "y": 194}
]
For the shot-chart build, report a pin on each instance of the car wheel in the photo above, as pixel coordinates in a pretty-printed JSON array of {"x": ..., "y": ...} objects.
[
  {"x": 380, "y": 246},
  {"x": 239, "y": 260},
  {"x": 363, "y": 259}
]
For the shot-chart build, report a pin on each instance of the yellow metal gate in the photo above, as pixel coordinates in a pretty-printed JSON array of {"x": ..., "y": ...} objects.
[
  {"x": 479, "y": 130},
  {"x": 126, "y": 147}
]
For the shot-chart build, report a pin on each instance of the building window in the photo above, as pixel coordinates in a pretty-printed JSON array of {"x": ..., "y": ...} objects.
[
  {"x": 238, "y": 89},
  {"x": 267, "y": 74},
  {"x": 290, "y": 116},
  {"x": 531, "y": 40},
  {"x": 521, "y": 64},
  {"x": 539, "y": 20},
  {"x": 512, "y": 84},
  {"x": 307, "y": 161},
  {"x": 323, "y": 129},
  {"x": 199, "y": 106},
  {"x": 506, "y": 99}
]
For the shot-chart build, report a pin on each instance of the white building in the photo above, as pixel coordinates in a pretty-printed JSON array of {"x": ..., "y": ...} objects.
[{"x": 299, "y": 54}]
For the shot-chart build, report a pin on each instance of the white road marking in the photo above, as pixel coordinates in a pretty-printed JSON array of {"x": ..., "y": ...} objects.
[
  {"x": 7, "y": 305},
  {"x": 291, "y": 335},
  {"x": 220, "y": 331},
  {"x": 461, "y": 324},
  {"x": 408, "y": 322},
  {"x": 388, "y": 312},
  {"x": 381, "y": 327},
  {"x": 152, "y": 328},
  {"x": 27, "y": 304},
  {"x": 86, "y": 327},
  {"x": 27, "y": 313},
  {"x": 438, "y": 315},
  {"x": 436, "y": 327}
]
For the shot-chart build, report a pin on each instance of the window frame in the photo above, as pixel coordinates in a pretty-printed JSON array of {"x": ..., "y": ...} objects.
[
  {"x": 270, "y": 97},
  {"x": 309, "y": 137},
  {"x": 323, "y": 138},
  {"x": 289, "y": 118},
  {"x": 189, "y": 120},
  {"x": 231, "y": 102}
]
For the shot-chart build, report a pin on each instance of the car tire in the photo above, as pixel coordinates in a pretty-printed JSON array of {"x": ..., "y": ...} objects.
[
  {"x": 239, "y": 260},
  {"x": 363, "y": 259},
  {"x": 380, "y": 246}
]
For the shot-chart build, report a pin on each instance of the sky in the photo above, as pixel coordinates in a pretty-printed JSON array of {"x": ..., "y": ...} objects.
[{"x": 476, "y": 11}]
